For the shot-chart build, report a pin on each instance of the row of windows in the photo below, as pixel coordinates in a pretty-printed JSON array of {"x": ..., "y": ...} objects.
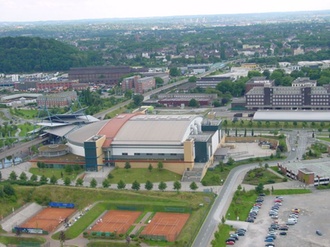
[{"x": 149, "y": 154}]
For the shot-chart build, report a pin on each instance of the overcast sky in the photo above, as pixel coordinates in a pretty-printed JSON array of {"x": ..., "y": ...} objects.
[{"x": 41, "y": 10}]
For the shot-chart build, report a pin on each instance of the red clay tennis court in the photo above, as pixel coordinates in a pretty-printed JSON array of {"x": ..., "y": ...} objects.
[
  {"x": 168, "y": 225},
  {"x": 48, "y": 219},
  {"x": 118, "y": 221}
]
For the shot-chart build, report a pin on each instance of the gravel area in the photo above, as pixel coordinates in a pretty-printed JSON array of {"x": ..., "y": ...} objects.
[{"x": 314, "y": 215}]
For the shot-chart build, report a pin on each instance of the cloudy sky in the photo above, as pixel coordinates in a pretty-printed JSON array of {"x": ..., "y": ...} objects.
[{"x": 41, "y": 10}]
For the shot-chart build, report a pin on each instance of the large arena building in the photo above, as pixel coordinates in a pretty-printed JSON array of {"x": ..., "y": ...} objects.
[{"x": 178, "y": 141}]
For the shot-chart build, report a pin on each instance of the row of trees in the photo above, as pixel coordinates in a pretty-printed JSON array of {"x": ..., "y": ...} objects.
[{"x": 93, "y": 183}]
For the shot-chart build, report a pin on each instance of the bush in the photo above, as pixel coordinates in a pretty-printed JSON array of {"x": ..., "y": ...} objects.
[{"x": 271, "y": 181}]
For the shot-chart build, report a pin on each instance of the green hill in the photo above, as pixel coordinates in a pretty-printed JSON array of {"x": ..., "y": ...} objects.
[{"x": 34, "y": 54}]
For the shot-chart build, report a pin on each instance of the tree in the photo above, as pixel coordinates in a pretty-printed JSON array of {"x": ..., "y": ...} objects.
[
  {"x": 13, "y": 176},
  {"x": 149, "y": 185},
  {"x": 150, "y": 167},
  {"x": 127, "y": 165},
  {"x": 53, "y": 180},
  {"x": 9, "y": 190},
  {"x": 177, "y": 186},
  {"x": 33, "y": 178},
  {"x": 62, "y": 237},
  {"x": 192, "y": 79},
  {"x": 230, "y": 161},
  {"x": 67, "y": 181},
  {"x": 68, "y": 169},
  {"x": 193, "y": 103},
  {"x": 174, "y": 72},
  {"x": 138, "y": 99},
  {"x": 193, "y": 186},
  {"x": 79, "y": 182},
  {"x": 105, "y": 183},
  {"x": 162, "y": 186},
  {"x": 43, "y": 179},
  {"x": 259, "y": 188},
  {"x": 160, "y": 165},
  {"x": 223, "y": 220},
  {"x": 136, "y": 185},
  {"x": 159, "y": 81},
  {"x": 23, "y": 176},
  {"x": 93, "y": 183},
  {"x": 121, "y": 185}
]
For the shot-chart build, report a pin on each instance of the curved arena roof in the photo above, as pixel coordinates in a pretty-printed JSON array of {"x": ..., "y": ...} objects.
[{"x": 138, "y": 129}]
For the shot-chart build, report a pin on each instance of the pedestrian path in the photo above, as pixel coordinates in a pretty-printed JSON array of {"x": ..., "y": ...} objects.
[{"x": 141, "y": 223}]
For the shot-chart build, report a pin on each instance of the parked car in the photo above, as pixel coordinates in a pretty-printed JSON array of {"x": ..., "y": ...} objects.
[
  {"x": 230, "y": 243},
  {"x": 283, "y": 233},
  {"x": 283, "y": 228},
  {"x": 318, "y": 232},
  {"x": 296, "y": 210},
  {"x": 269, "y": 240},
  {"x": 270, "y": 245},
  {"x": 235, "y": 236},
  {"x": 231, "y": 239}
]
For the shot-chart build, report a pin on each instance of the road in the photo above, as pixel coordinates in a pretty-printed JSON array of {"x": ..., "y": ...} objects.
[
  {"x": 147, "y": 95},
  {"x": 235, "y": 177}
]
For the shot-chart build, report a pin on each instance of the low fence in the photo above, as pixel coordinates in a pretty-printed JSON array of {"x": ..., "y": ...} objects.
[{"x": 61, "y": 205}]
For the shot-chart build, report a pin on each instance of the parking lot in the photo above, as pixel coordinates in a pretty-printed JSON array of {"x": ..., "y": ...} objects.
[{"x": 314, "y": 215}]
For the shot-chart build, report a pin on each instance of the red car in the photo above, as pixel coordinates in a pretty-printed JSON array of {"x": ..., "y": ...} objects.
[
  {"x": 278, "y": 200},
  {"x": 230, "y": 243}
]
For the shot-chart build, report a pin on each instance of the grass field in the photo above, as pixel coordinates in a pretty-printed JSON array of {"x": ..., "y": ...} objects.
[
  {"x": 49, "y": 172},
  {"x": 221, "y": 235},
  {"x": 241, "y": 205},
  {"x": 261, "y": 175},
  {"x": 25, "y": 113},
  {"x": 291, "y": 191},
  {"x": 108, "y": 244},
  {"x": 324, "y": 139},
  {"x": 17, "y": 240},
  {"x": 25, "y": 128},
  {"x": 142, "y": 175}
]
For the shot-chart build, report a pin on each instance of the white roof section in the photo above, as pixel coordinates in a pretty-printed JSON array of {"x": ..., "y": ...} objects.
[
  {"x": 49, "y": 124},
  {"x": 20, "y": 95},
  {"x": 61, "y": 131},
  {"x": 157, "y": 129},
  {"x": 89, "y": 118},
  {"x": 294, "y": 115}
]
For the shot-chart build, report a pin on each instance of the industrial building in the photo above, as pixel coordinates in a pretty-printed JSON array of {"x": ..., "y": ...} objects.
[{"x": 108, "y": 75}]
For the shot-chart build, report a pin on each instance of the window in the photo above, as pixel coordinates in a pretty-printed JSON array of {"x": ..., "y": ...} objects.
[
  {"x": 124, "y": 154},
  {"x": 136, "y": 153}
]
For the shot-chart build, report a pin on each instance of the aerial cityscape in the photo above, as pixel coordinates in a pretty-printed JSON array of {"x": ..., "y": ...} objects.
[{"x": 183, "y": 124}]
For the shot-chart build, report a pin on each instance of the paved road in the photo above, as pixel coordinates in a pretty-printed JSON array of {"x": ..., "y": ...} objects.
[{"x": 235, "y": 178}]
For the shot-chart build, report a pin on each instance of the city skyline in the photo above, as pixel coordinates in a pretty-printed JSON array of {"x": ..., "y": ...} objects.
[{"x": 48, "y": 10}]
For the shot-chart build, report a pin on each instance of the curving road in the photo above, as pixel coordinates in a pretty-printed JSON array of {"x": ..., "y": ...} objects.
[{"x": 235, "y": 177}]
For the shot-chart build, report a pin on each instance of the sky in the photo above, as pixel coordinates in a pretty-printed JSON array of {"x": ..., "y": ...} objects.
[{"x": 44, "y": 10}]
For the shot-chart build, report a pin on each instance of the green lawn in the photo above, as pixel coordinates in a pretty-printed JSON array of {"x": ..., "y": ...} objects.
[
  {"x": 25, "y": 128},
  {"x": 17, "y": 240},
  {"x": 142, "y": 175},
  {"x": 25, "y": 113},
  {"x": 291, "y": 191},
  {"x": 221, "y": 235},
  {"x": 241, "y": 205},
  {"x": 261, "y": 175},
  {"x": 324, "y": 139},
  {"x": 49, "y": 172},
  {"x": 108, "y": 244}
]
